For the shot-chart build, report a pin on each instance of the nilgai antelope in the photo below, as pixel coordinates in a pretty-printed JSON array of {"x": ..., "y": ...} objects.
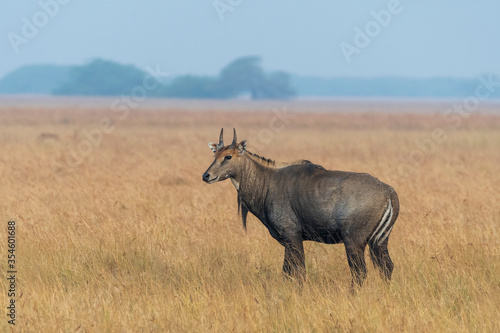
[{"x": 303, "y": 201}]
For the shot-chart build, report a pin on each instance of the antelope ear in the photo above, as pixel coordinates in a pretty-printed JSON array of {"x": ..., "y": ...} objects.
[
  {"x": 213, "y": 146},
  {"x": 242, "y": 146}
]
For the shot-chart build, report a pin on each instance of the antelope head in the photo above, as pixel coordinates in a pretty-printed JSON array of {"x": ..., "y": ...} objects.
[{"x": 227, "y": 159}]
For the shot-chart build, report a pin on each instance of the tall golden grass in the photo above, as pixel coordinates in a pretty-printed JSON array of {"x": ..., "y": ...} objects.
[{"x": 131, "y": 239}]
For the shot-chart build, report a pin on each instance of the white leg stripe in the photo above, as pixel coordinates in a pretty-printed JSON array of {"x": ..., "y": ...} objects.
[
  {"x": 386, "y": 224},
  {"x": 386, "y": 235},
  {"x": 387, "y": 211},
  {"x": 383, "y": 224}
]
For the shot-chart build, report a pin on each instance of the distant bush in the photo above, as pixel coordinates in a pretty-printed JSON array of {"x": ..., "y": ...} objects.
[
  {"x": 191, "y": 86},
  {"x": 101, "y": 78}
]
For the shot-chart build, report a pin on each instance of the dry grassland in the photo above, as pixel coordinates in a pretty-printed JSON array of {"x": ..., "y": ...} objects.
[{"x": 131, "y": 239}]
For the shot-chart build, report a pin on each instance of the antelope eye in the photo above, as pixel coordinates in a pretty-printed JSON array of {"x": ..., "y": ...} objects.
[{"x": 228, "y": 157}]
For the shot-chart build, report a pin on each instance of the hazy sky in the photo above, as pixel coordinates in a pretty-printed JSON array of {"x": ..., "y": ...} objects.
[{"x": 420, "y": 38}]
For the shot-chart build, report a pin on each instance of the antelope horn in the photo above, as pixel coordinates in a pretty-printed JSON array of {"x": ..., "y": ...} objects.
[
  {"x": 234, "y": 138},
  {"x": 221, "y": 140}
]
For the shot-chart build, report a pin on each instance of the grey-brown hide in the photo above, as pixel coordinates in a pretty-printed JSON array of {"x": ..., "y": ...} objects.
[{"x": 303, "y": 201}]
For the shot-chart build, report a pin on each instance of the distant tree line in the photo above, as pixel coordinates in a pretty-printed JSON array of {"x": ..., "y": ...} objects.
[{"x": 242, "y": 77}]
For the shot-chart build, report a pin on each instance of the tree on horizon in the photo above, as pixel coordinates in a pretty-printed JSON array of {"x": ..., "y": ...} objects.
[{"x": 101, "y": 77}]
